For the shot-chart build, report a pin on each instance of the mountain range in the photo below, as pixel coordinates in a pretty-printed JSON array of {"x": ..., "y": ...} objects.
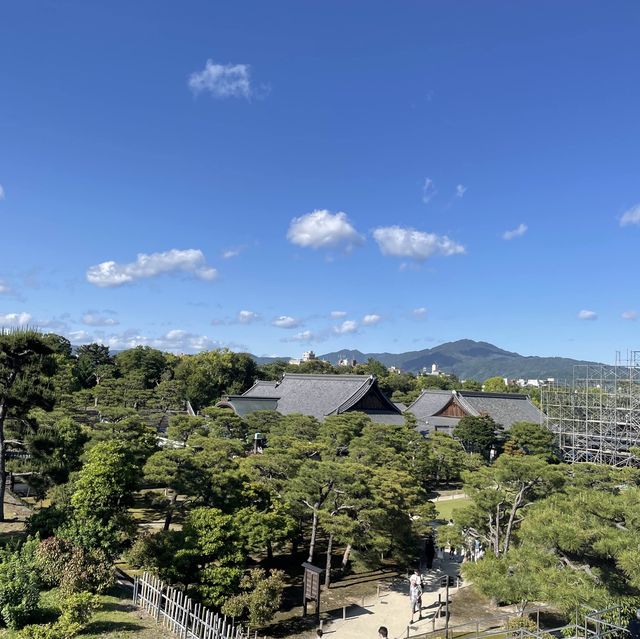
[{"x": 465, "y": 358}]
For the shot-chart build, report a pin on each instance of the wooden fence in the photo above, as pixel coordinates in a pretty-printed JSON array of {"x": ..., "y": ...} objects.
[{"x": 176, "y": 612}]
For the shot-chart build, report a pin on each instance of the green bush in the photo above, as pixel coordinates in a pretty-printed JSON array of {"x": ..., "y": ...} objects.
[
  {"x": 19, "y": 584},
  {"x": 77, "y": 611}
]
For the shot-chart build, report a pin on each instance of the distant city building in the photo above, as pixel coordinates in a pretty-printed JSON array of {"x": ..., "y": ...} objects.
[
  {"x": 347, "y": 361},
  {"x": 307, "y": 356},
  {"x": 394, "y": 369},
  {"x": 435, "y": 371}
]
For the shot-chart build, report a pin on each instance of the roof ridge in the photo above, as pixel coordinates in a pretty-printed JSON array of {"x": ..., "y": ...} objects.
[
  {"x": 493, "y": 395},
  {"x": 329, "y": 376}
]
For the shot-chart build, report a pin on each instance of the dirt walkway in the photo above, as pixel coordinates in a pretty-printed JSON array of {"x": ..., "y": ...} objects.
[{"x": 392, "y": 609}]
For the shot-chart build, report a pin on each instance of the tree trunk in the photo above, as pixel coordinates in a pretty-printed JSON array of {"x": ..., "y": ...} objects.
[
  {"x": 327, "y": 572},
  {"x": 512, "y": 515},
  {"x": 269, "y": 550},
  {"x": 3, "y": 474},
  {"x": 314, "y": 529},
  {"x": 345, "y": 557},
  {"x": 496, "y": 543},
  {"x": 169, "y": 515}
]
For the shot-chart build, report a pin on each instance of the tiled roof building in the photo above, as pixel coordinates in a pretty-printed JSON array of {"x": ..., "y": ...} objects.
[
  {"x": 442, "y": 410},
  {"x": 318, "y": 396}
]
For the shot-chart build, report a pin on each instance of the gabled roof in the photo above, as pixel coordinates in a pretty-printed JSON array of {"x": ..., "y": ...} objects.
[
  {"x": 429, "y": 403},
  {"x": 503, "y": 408},
  {"x": 322, "y": 395}
]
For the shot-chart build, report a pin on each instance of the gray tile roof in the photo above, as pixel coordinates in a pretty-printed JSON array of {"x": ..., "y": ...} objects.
[
  {"x": 503, "y": 408},
  {"x": 430, "y": 402},
  {"x": 322, "y": 395},
  {"x": 245, "y": 405}
]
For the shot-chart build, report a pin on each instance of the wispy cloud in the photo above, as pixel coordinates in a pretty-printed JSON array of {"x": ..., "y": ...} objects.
[
  {"x": 630, "y": 315},
  {"x": 285, "y": 321},
  {"x": 517, "y": 232},
  {"x": 1, "y": 192},
  {"x": 190, "y": 261},
  {"x": 15, "y": 319},
  {"x": 429, "y": 190},
  {"x": 232, "y": 252},
  {"x": 419, "y": 313},
  {"x": 247, "y": 317},
  {"x": 371, "y": 320},
  {"x": 95, "y": 318},
  {"x": 587, "y": 315},
  {"x": 397, "y": 241},
  {"x": 5, "y": 289},
  {"x": 222, "y": 80},
  {"x": 348, "y": 326},
  {"x": 303, "y": 336},
  {"x": 323, "y": 229},
  {"x": 460, "y": 190},
  {"x": 631, "y": 216},
  {"x": 338, "y": 314}
]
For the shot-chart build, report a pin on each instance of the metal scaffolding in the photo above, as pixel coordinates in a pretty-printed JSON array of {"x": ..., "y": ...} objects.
[{"x": 596, "y": 416}]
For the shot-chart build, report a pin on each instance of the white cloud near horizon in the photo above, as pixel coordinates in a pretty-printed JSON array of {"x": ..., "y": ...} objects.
[
  {"x": 323, "y": 229},
  {"x": 285, "y": 321},
  {"x": 631, "y": 216},
  {"x": 519, "y": 231},
  {"x": 338, "y": 314},
  {"x": 93, "y": 318},
  {"x": 347, "y": 327},
  {"x": 4, "y": 288},
  {"x": 587, "y": 315},
  {"x": 303, "y": 336},
  {"x": 222, "y": 80},
  {"x": 189, "y": 261},
  {"x": 371, "y": 319},
  {"x": 630, "y": 315},
  {"x": 397, "y": 241},
  {"x": 429, "y": 190},
  {"x": 419, "y": 312},
  {"x": 15, "y": 319},
  {"x": 460, "y": 190}
]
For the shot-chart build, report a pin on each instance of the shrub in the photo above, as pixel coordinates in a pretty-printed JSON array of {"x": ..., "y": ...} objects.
[
  {"x": 72, "y": 568},
  {"x": 19, "y": 592},
  {"x": 77, "y": 610}
]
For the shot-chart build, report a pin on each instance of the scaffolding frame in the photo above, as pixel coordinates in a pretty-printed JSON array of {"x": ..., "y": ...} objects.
[{"x": 596, "y": 417}]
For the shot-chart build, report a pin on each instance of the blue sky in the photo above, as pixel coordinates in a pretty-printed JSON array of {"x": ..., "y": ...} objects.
[{"x": 279, "y": 176}]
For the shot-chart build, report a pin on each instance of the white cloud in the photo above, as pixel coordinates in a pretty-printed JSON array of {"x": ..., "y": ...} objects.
[
  {"x": 93, "y": 318},
  {"x": 517, "y": 232},
  {"x": 246, "y": 317},
  {"x": 4, "y": 287},
  {"x": 587, "y": 315},
  {"x": 232, "y": 252},
  {"x": 632, "y": 216},
  {"x": 371, "y": 320},
  {"x": 419, "y": 312},
  {"x": 338, "y": 314},
  {"x": 348, "y": 326},
  {"x": 428, "y": 190},
  {"x": 460, "y": 190},
  {"x": 1, "y": 192},
  {"x": 323, "y": 229},
  {"x": 15, "y": 319},
  {"x": 630, "y": 315},
  {"x": 304, "y": 336},
  {"x": 284, "y": 321},
  {"x": 407, "y": 242},
  {"x": 222, "y": 80},
  {"x": 107, "y": 274}
]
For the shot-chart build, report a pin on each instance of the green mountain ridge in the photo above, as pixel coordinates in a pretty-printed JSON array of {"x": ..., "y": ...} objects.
[{"x": 468, "y": 359}]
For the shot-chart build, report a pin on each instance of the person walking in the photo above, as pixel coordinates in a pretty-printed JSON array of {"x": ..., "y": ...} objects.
[{"x": 415, "y": 594}]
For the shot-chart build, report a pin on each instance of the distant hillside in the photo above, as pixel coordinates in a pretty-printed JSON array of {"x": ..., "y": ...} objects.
[{"x": 469, "y": 359}]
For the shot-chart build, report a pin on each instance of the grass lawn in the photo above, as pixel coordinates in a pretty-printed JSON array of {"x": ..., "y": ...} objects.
[
  {"x": 447, "y": 507},
  {"x": 117, "y": 618}
]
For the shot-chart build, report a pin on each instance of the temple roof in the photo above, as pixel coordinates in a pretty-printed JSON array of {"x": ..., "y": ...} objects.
[{"x": 319, "y": 396}]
